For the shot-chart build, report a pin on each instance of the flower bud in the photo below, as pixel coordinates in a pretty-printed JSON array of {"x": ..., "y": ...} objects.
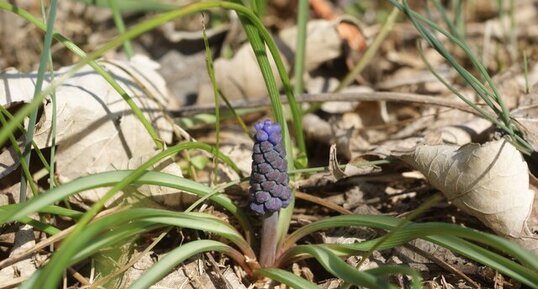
[{"x": 269, "y": 190}]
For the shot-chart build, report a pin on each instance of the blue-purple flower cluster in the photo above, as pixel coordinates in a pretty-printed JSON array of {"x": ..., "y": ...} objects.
[{"x": 269, "y": 190}]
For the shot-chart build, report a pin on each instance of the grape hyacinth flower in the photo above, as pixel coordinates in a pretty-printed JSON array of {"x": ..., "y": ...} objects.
[{"x": 269, "y": 190}]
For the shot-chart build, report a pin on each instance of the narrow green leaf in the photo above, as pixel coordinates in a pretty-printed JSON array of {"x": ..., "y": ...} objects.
[
  {"x": 29, "y": 136},
  {"x": 55, "y": 210},
  {"x": 334, "y": 265},
  {"x": 490, "y": 95},
  {"x": 133, "y": 5},
  {"x": 174, "y": 258},
  {"x": 287, "y": 278},
  {"x": 298, "y": 66},
  {"x": 383, "y": 270},
  {"x": 41, "y": 226},
  {"x": 120, "y": 26}
]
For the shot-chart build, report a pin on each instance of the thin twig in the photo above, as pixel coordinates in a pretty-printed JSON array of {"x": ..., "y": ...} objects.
[
  {"x": 441, "y": 264},
  {"x": 321, "y": 97},
  {"x": 79, "y": 277},
  {"x": 322, "y": 202}
]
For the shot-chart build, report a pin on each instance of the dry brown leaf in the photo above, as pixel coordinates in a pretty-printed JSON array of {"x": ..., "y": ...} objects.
[{"x": 489, "y": 181}]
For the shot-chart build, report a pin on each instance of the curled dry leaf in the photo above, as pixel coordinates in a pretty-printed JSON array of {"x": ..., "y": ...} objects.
[
  {"x": 489, "y": 181},
  {"x": 355, "y": 167}
]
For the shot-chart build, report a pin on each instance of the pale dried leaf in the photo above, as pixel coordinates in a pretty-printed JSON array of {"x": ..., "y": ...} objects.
[
  {"x": 487, "y": 181},
  {"x": 240, "y": 77},
  {"x": 323, "y": 42},
  {"x": 96, "y": 129}
]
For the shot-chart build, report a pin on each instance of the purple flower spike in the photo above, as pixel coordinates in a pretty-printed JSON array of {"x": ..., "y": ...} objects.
[{"x": 269, "y": 191}]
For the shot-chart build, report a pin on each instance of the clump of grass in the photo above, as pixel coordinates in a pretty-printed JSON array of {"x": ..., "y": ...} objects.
[{"x": 488, "y": 93}]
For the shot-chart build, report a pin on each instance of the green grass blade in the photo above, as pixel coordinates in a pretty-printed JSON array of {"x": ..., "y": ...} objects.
[
  {"x": 449, "y": 23},
  {"x": 258, "y": 45},
  {"x": 459, "y": 16},
  {"x": 59, "y": 211},
  {"x": 471, "y": 79},
  {"x": 298, "y": 66},
  {"x": 133, "y": 5},
  {"x": 514, "y": 139},
  {"x": 287, "y": 278},
  {"x": 24, "y": 165},
  {"x": 334, "y": 265},
  {"x": 383, "y": 270},
  {"x": 259, "y": 37},
  {"x": 431, "y": 201},
  {"x": 43, "y": 59},
  {"x": 481, "y": 255},
  {"x": 5, "y": 113},
  {"x": 192, "y": 220},
  {"x": 214, "y": 85},
  {"x": 489, "y": 94},
  {"x": 40, "y": 226},
  {"x": 120, "y": 26},
  {"x": 52, "y": 180},
  {"x": 388, "y": 223},
  {"x": 175, "y": 257},
  {"x": 457, "y": 245},
  {"x": 370, "y": 52}
]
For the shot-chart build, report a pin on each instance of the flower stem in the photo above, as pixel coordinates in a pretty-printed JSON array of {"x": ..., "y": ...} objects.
[{"x": 268, "y": 239}]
